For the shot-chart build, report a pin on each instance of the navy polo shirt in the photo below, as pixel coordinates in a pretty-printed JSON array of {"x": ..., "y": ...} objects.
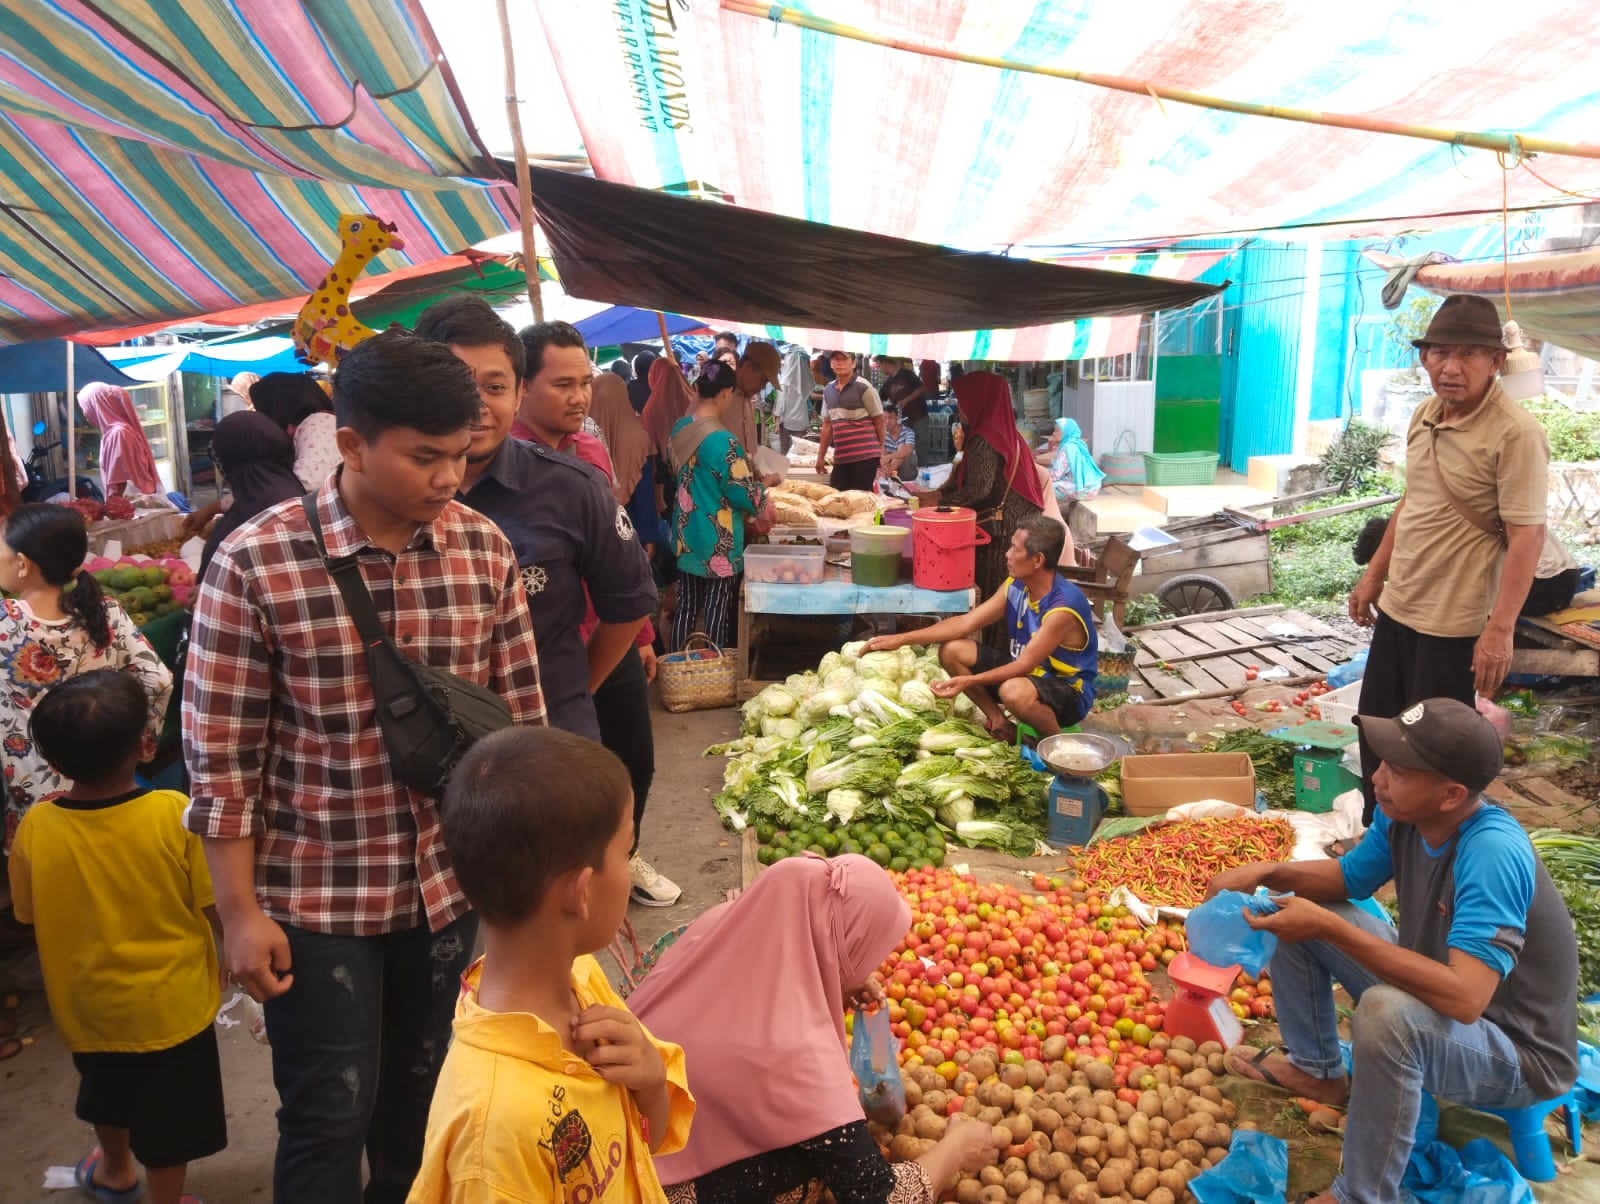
[{"x": 568, "y": 532}]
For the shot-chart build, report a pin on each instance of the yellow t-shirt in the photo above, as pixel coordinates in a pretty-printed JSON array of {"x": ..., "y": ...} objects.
[
  {"x": 516, "y": 1116},
  {"x": 114, "y": 890}
]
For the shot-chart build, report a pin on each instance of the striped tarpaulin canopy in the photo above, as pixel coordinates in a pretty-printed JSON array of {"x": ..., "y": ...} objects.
[
  {"x": 1086, "y": 338},
  {"x": 159, "y": 161},
  {"x": 699, "y": 97}
]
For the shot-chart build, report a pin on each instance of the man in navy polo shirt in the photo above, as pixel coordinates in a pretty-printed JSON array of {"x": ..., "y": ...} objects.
[{"x": 559, "y": 514}]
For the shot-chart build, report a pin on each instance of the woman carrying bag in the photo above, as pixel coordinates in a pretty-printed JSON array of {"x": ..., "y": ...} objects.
[{"x": 714, "y": 494}]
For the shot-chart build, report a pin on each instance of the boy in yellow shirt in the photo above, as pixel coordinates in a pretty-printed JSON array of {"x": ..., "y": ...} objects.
[
  {"x": 120, "y": 900},
  {"x": 551, "y": 1089}
]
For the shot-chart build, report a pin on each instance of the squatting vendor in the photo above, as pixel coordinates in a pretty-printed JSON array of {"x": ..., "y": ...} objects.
[
  {"x": 1473, "y": 998},
  {"x": 1046, "y": 679}
]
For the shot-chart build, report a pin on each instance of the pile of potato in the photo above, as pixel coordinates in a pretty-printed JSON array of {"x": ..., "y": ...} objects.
[{"x": 1067, "y": 1135}]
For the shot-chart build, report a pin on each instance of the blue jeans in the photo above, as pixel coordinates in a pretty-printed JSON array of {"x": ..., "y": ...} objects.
[
  {"x": 1401, "y": 1048},
  {"x": 357, "y": 1043}
]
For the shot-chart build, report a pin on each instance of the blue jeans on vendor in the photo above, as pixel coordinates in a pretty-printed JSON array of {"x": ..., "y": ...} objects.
[
  {"x": 357, "y": 1043},
  {"x": 1401, "y": 1047}
]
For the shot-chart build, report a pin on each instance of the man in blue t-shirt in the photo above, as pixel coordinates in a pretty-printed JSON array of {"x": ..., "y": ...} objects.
[
  {"x": 1047, "y": 680},
  {"x": 1474, "y": 999}
]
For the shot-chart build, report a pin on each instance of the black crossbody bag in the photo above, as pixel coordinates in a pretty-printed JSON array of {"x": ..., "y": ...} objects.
[{"x": 429, "y": 717}]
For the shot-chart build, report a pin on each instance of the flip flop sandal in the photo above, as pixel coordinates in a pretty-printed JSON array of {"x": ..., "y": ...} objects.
[
  {"x": 1256, "y": 1071},
  {"x": 83, "y": 1176},
  {"x": 10, "y": 1047}
]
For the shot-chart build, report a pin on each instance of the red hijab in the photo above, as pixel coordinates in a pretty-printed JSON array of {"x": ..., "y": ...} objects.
[
  {"x": 985, "y": 402},
  {"x": 764, "y": 977}
]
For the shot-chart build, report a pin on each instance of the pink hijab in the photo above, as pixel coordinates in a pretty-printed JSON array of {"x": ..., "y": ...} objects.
[
  {"x": 670, "y": 399},
  {"x": 125, "y": 455},
  {"x": 763, "y": 979}
]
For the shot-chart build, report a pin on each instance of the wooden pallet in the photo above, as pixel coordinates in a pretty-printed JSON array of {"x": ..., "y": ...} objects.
[{"x": 1210, "y": 655}]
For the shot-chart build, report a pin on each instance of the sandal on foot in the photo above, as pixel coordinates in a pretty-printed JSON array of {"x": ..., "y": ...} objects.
[
  {"x": 10, "y": 1047},
  {"x": 83, "y": 1176},
  {"x": 1248, "y": 1063}
]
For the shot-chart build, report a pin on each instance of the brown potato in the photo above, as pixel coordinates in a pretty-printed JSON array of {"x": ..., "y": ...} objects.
[
  {"x": 904, "y": 1148},
  {"x": 1036, "y": 1073},
  {"x": 1149, "y": 1103},
  {"x": 931, "y": 1128},
  {"x": 1190, "y": 1150},
  {"x": 1030, "y": 1195},
  {"x": 1161, "y": 1195},
  {"x": 1173, "y": 1180},
  {"x": 1021, "y": 1127},
  {"x": 1216, "y": 1153},
  {"x": 1053, "y": 1048},
  {"x": 1012, "y": 1166},
  {"x": 1014, "y": 1076},
  {"x": 1117, "y": 1142},
  {"x": 1207, "y": 1048},
  {"x": 1064, "y": 1139},
  {"x": 1212, "y": 1134},
  {"x": 1197, "y": 1078},
  {"x": 1099, "y": 1075},
  {"x": 1110, "y": 1182},
  {"x": 1142, "y": 1184},
  {"x": 1138, "y": 1127},
  {"x": 1083, "y": 1193},
  {"x": 982, "y": 1065},
  {"x": 991, "y": 1176},
  {"x": 993, "y": 1194},
  {"x": 991, "y": 1115},
  {"x": 1186, "y": 1044},
  {"x": 1217, "y": 1064},
  {"x": 1183, "y": 1060},
  {"x": 967, "y": 1190},
  {"x": 1016, "y": 1183},
  {"x": 1088, "y": 1145},
  {"x": 1184, "y": 1128},
  {"x": 1046, "y": 1119}
]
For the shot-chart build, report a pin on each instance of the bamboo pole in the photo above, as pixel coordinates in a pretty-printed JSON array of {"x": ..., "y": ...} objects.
[
  {"x": 1518, "y": 145},
  {"x": 530, "y": 256},
  {"x": 72, "y": 425},
  {"x": 666, "y": 339}
]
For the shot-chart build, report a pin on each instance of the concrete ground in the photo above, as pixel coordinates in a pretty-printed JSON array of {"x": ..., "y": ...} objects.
[
  {"x": 37, "y": 1088},
  {"x": 684, "y": 840}
]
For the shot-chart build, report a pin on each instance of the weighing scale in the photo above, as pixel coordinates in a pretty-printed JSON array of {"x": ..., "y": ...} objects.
[
  {"x": 1319, "y": 774},
  {"x": 1076, "y": 802},
  {"x": 1199, "y": 1009}
]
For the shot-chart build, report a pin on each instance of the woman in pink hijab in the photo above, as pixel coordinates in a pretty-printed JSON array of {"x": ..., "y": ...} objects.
[
  {"x": 125, "y": 455},
  {"x": 755, "y": 991}
]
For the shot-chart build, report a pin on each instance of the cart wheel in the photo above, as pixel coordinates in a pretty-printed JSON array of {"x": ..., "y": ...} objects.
[{"x": 1195, "y": 594}]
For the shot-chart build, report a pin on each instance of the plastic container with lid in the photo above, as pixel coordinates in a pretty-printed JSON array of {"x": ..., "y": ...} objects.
[
  {"x": 875, "y": 554},
  {"x": 784, "y": 564}
]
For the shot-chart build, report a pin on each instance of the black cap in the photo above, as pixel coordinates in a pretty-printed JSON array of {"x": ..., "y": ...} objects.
[{"x": 1441, "y": 735}]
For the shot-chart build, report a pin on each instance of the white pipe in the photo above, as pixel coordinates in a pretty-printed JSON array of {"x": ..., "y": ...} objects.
[{"x": 72, "y": 426}]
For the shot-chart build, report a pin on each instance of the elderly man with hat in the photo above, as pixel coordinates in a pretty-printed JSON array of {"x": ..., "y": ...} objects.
[
  {"x": 1444, "y": 589},
  {"x": 759, "y": 366},
  {"x": 1474, "y": 999}
]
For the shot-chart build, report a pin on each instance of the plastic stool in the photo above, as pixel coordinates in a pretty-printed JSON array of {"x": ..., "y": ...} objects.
[
  {"x": 1024, "y": 732},
  {"x": 1530, "y": 1148}
]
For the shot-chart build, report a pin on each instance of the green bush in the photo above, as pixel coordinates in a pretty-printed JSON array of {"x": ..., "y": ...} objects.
[
  {"x": 1574, "y": 434},
  {"x": 1351, "y": 461}
]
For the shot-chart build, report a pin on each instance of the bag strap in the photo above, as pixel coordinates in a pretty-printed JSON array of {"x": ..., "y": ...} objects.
[
  {"x": 346, "y": 574},
  {"x": 1489, "y": 526}
]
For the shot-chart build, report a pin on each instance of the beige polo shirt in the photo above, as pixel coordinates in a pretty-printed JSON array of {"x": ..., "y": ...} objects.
[{"x": 1445, "y": 571}]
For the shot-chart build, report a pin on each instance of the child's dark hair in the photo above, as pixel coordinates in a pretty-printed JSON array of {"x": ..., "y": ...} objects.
[
  {"x": 547, "y": 334},
  {"x": 395, "y": 379},
  {"x": 88, "y": 726},
  {"x": 714, "y": 378},
  {"x": 524, "y": 806},
  {"x": 469, "y": 321},
  {"x": 288, "y": 398},
  {"x": 56, "y": 539},
  {"x": 1370, "y": 540}
]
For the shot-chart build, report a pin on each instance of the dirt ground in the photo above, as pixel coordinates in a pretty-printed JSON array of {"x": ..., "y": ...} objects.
[{"x": 683, "y": 838}]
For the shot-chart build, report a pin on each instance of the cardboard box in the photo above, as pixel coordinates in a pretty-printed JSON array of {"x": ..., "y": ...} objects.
[{"x": 1152, "y": 784}]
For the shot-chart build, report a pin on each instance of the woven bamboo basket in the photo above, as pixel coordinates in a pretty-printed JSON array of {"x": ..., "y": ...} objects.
[{"x": 698, "y": 678}]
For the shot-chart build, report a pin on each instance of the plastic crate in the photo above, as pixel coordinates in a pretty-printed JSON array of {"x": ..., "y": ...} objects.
[
  {"x": 1180, "y": 468},
  {"x": 1340, "y": 705}
]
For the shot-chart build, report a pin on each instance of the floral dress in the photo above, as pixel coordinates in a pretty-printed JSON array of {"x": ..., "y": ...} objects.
[
  {"x": 36, "y": 654},
  {"x": 714, "y": 490}
]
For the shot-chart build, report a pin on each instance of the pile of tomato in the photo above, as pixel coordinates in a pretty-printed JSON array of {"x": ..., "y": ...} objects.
[{"x": 993, "y": 968}]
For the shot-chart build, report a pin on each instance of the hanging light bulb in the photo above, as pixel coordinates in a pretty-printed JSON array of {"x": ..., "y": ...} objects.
[{"x": 1523, "y": 374}]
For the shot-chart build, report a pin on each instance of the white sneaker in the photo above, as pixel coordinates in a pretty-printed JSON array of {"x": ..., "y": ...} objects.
[{"x": 651, "y": 888}]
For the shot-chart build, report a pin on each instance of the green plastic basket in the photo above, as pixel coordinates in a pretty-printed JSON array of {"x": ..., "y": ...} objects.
[{"x": 1180, "y": 468}]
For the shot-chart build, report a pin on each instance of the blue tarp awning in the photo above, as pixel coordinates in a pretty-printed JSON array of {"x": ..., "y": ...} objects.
[
  {"x": 624, "y": 324},
  {"x": 41, "y": 367},
  {"x": 272, "y": 353}
]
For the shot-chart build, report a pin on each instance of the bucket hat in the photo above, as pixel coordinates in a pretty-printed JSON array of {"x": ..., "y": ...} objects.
[{"x": 1464, "y": 321}]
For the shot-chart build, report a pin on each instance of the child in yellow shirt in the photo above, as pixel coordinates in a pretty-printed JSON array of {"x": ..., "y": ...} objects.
[
  {"x": 120, "y": 899},
  {"x": 551, "y": 1089}
]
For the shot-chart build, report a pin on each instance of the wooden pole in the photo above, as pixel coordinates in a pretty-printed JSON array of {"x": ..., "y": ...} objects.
[
  {"x": 530, "y": 255},
  {"x": 666, "y": 339},
  {"x": 1519, "y": 146},
  {"x": 72, "y": 425}
]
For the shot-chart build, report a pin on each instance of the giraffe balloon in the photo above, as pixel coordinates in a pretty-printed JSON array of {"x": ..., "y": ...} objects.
[{"x": 325, "y": 329}]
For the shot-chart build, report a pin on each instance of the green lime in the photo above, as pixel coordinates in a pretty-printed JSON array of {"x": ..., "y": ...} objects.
[
  {"x": 933, "y": 838},
  {"x": 936, "y": 857},
  {"x": 765, "y": 831},
  {"x": 849, "y": 846},
  {"x": 818, "y": 849},
  {"x": 779, "y": 853},
  {"x": 829, "y": 841},
  {"x": 880, "y": 853},
  {"x": 899, "y": 864},
  {"x": 766, "y": 854},
  {"x": 892, "y": 838}
]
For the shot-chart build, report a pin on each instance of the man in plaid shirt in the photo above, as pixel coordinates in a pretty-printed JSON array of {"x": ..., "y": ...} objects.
[{"x": 339, "y": 907}]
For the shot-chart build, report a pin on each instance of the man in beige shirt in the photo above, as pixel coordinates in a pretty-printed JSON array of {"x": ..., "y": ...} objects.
[{"x": 1444, "y": 589}]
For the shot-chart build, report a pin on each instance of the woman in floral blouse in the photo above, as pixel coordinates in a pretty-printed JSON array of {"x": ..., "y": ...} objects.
[
  {"x": 49, "y": 633},
  {"x": 714, "y": 492}
]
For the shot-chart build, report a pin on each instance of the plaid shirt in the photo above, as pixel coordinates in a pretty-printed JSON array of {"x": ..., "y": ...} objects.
[{"x": 280, "y": 723}]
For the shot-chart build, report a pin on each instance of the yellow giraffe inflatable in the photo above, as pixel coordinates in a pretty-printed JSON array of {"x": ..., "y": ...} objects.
[{"x": 325, "y": 329}]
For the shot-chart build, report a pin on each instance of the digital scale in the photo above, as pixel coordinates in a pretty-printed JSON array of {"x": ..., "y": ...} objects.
[{"x": 1076, "y": 803}]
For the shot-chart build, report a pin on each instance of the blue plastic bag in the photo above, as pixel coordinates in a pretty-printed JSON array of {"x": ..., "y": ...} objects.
[
  {"x": 1217, "y": 932},
  {"x": 1478, "y": 1171},
  {"x": 1256, "y": 1171},
  {"x": 1352, "y": 670},
  {"x": 875, "y": 1061}
]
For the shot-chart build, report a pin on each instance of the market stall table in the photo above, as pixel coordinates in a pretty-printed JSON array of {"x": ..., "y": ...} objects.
[{"x": 836, "y": 594}]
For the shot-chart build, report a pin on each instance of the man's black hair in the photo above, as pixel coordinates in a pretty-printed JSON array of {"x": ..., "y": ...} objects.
[
  {"x": 469, "y": 321},
  {"x": 537, "y": 337},
  {"x": 726, "y": 336},
  {"x": 1370, "y": 540},
  {"x": 395, "y": 379},
  {"x": 1043, "y": 536},
  {"x": 88, "y": 726}
]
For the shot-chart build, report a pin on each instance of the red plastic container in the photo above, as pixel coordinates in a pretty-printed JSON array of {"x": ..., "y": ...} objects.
[{"x": 945, "y": 540}]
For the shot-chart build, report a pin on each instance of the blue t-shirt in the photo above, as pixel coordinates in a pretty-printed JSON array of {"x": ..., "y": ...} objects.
[
  {"x": 1024, "y": 616},
  {"x": 1493, "y": 883}
]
